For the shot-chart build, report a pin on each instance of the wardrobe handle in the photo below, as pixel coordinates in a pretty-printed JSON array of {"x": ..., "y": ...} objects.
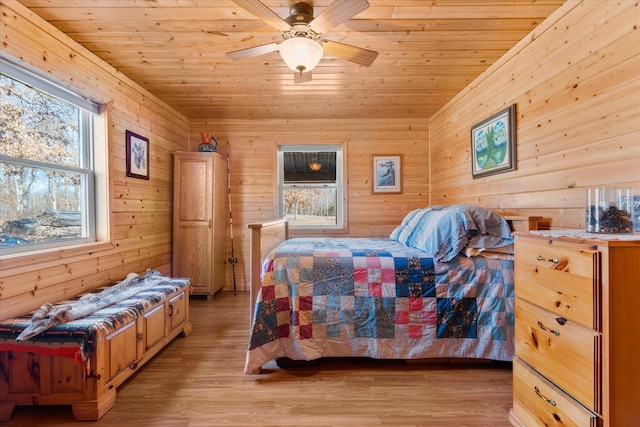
[
  {"x": 544, "y": 328},
  {"x": 543, "y": 397},
  {"x": 209, "y": 222},
  {"x": 541, "y": 258}
]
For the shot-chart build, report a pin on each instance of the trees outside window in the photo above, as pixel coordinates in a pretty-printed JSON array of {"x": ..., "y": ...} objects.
[
  {"x": 311, "y": 193},
  {"x": 46, "y": 172}
]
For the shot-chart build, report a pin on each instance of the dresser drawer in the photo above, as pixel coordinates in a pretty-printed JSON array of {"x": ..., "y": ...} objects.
[
  {"x": 536, "y": 401},
  {"x": 565, "y": 353},
  {"x": 563, "y": 279}
]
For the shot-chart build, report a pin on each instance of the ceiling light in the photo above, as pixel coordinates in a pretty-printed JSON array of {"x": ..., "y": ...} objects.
[
  {"x": 301, "y": 54},
  {"x": 315, "y": 165}
]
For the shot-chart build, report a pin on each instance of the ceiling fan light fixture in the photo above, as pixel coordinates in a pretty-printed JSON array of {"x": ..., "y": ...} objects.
[{"x": 301, "y": 54}]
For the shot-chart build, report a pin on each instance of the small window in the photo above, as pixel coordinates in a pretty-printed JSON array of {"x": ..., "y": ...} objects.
[
  {"x": 311, "y": 193},
  {"x": 46, "y": 163}
]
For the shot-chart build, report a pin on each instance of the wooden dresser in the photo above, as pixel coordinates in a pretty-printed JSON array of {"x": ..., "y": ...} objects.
[{"x": 577, "y": 335}]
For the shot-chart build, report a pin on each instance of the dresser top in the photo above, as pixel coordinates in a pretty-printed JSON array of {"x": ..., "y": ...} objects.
[
  {"x": 581, "y": 234},
  {"x": 583, "y": 237}
]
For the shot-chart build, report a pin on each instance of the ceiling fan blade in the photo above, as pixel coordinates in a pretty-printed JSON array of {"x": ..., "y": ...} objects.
[
  {"x": 261, "y": 11},
  {"x": 250, "y": 52},
  {"x": 336, "y": 13},
  {"x": 354, "y": 54},
  {"x": 301, "y": 77}
]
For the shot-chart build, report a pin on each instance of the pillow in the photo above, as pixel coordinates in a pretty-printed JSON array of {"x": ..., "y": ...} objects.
[
  {"x": 444, "y": 231},
  {"x": 487, "y": 221},
  {"x": 439, "y": 231}
]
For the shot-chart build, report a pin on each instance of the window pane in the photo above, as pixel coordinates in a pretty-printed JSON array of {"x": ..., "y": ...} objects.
[
  {"x": 39, "y": 205},
  {"x": 46, "y": 176},
  {"x": 310, "y": 186},
  {"x": 37, "y": 126},
  {"x": 310, "y": 205},
  {"x": 309, "y": 166}
]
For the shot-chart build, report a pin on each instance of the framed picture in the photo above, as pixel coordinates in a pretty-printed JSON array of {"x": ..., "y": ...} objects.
[
  {"x": 493, "y": 144},
  {"x": 137, "y": 156},
  {"x": 386, "y": 174}
]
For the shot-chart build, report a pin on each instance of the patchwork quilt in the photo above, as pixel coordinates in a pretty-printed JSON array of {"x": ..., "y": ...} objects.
[{"x": 376, "y": 297}]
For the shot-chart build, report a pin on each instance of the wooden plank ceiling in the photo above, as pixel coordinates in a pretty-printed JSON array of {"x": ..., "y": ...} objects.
[{"x": 428, "y": 51}]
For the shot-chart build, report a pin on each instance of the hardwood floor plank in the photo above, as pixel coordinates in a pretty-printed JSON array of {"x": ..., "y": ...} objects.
[{"x": 198, "y": 381}]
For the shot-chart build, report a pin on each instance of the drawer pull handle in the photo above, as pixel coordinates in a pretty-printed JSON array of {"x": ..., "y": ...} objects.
[
  {"x": 544, "y": 328},
  {"x": 541, "y": 396},
  {"x": 541, "y": 258}
]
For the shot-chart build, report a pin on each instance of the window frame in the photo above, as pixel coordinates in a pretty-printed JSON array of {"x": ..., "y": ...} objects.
[
  {"x": 341, "y": 205},
  {"x": 90, "y": 118}
]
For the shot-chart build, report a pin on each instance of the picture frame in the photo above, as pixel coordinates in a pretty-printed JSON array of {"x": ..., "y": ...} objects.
[
  {"x": 137, "y": 147},
  {"x": 387, "y": 176},
  {"x": 493, "y": 144}
]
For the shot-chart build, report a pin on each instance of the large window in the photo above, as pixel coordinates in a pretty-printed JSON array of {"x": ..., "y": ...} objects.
[
  {"x": 311, "y": 193},
  {"x": 46, "y": 167}
]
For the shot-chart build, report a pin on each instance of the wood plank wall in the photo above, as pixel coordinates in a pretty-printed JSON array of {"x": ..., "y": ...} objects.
[
  {"x": 576, "y": 82},
  {"x": 140, "y": 210},
  {"x": 574, "y": 79},
  {"x": 254, "y": 193}
]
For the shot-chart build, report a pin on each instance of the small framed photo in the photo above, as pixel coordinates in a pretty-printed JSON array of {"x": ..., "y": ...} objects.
[
  {"x": 493, "y": 144},
  {"x": 137, "y": 156},
  {"x": 386, "y": 174}
]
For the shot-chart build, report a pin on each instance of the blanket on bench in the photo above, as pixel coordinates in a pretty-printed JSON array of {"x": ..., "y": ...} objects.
[{"x": 69, "y": 329}]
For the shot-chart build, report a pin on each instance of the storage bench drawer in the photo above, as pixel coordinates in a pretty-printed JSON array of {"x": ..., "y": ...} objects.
[{"x": 177, "y": 310}]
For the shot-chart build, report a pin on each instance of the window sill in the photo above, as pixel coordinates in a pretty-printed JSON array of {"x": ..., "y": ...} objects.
[
  {"x": 36, "y": 258},
  {"x": 315, "y": 232}
]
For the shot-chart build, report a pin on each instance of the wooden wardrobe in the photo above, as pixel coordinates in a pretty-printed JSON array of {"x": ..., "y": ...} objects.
[{"x": 200, "y": 218}]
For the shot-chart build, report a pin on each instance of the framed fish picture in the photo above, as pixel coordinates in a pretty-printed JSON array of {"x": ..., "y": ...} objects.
[{"x": 493, "y": 144}]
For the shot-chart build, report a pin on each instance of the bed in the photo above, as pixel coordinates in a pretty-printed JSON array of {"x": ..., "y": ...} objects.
[{"x": 441, "y": 286}]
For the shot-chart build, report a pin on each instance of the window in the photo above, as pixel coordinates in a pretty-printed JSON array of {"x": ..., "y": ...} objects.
[
  {"x": 46, "y": 163},
  {"x": 310, "y": 182}
]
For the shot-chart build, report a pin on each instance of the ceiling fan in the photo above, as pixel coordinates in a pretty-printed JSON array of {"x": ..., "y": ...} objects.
[{"x": 303, "y": 43}]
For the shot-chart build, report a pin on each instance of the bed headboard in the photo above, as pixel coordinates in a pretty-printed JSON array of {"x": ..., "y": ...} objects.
[
  {"x": 265, "y": 236},
  {"x": 522, "y": 223}
]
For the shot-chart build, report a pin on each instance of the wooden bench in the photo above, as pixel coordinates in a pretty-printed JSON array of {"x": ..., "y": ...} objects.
[{"x": 36, "y": 372}]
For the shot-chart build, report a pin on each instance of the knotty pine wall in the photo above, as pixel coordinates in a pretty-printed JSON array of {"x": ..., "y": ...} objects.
[
  {"x": 140, "y": 210},
  {"x": 252, "y": 147},
  {"x": 576, "y": 83},
  {"x": 574, "y": 79}
]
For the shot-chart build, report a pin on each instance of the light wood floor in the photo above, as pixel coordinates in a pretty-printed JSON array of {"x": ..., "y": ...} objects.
[{"x": 199, "y": 381}]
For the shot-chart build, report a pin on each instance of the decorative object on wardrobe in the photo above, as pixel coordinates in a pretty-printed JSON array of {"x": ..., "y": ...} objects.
[{"x": 209, "y": 143}]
